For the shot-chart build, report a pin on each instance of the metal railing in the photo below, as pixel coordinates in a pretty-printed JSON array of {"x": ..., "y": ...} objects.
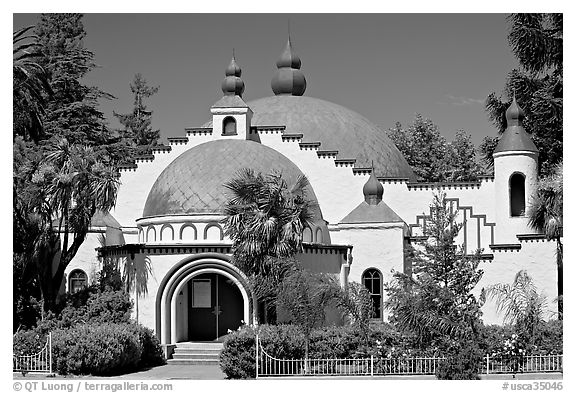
[
  {"x": 270, "y": 366},
  {"x": 522, "y": 364},
  {"x": 38, "y": 363}
]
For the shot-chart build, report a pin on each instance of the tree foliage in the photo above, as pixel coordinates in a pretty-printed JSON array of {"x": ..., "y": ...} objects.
[
  {"x": 546, "y": 215},
  {"x": 436, "y": 302},
  {"x": 303, "y": 298},
  {"x": 138, "y": 132},
  {"x": 432, "y": 158},
  {"x": 31, "y": 87},
  {"x": 265, "y": 218},
  {"x": 536, "y": 41},
  {"x": 63, "y": 171},
  {"x": 520, "y": 303}
]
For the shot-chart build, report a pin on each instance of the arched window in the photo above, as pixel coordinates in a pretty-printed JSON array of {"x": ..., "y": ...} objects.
[
  {"x": 372, "y": 280},
  {"x": 307, "y": 235},
  {"x": 229, "y": 126},
  {"x": 517, "y": 195},
  {"x": 77, "y": 281}
]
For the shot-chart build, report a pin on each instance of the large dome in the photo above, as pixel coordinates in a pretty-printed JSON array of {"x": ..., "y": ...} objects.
[
  {"x": 337, "y": 128},
  {"x": 193, "y": 182}
]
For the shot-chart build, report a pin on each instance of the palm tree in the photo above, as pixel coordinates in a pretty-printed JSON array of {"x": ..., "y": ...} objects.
[
  {"x": 265, "y": 218},
  {"x": 30, "y": 85},
  {"x": 56, "y": 194},
  {"x": 521, "y": 304},
  {"x": 545, "y": 215}
]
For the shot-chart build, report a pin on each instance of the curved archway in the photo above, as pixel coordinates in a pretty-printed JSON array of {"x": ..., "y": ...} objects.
[
  {"x": 209, "y": 232},
  {"x": 180, "y": 278},
  {"x": 319, "y": 236},
  {"x": 167, "y": 232},
  {"x": 149, "y": 231},
  {"x": 77, "y": 280},
  {"x": 307, "y": 235},
  {"x": 372, "y": 280},
  {"x": 517, "y": 195},
  {"x": 229, "y": 126},
  {"x": 186, "y": 229}
]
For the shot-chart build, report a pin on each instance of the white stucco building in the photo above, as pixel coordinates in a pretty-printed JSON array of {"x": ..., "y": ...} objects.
[{"x": 169, "y": 206}]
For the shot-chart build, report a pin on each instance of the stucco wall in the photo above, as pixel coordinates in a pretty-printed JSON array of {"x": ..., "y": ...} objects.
[
  {"x": 375, "y": 246},
  {"x": 506, "y": 164},
  {"x": 538, "y": 258}
]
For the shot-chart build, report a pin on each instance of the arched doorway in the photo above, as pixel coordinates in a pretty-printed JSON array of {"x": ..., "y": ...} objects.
[
  {"x": 200, "y": 298},
  {"x": 208, "y": 305}
]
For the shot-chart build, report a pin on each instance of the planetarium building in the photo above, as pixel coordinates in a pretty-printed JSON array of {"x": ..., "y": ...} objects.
[{"x": 169, "y": 212}]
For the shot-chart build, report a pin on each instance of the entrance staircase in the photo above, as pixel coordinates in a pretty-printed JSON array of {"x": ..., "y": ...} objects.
[{"x": 194, "y": 353}]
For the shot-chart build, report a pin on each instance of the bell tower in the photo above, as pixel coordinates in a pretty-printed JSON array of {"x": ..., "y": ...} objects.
[
  {"x": 515, "y": 177},
  {"x": 231, "y": 116}
]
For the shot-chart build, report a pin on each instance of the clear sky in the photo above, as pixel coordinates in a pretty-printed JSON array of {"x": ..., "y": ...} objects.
[{"x": 387, "y": 67}]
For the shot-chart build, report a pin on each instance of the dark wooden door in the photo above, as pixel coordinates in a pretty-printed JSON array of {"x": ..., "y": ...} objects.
[{"x": 216, "y": 305}]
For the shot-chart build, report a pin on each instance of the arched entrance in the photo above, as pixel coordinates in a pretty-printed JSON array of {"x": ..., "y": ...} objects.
[
  {"x": 200, "y": 298},
  {"x": 208, "y": 305}
]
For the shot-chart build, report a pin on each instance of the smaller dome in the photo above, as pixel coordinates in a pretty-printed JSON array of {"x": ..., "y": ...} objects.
[
  {"x": 233, "y": 85},
  {"x": 515, "y": 137},
  {"x": 289, "y": 80},
  {"x": 373, "y": 190}
]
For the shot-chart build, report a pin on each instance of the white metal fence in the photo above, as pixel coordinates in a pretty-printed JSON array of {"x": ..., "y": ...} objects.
[
  {"x": 522, "y": 364},
  {"x": 38, "y": 363},
  {"x": 269, "y": 366}
]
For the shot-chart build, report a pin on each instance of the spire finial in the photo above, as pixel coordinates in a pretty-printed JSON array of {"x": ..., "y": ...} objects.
[
  {"x": 514, "y": 114},
  {"x": 289, "y": 80},
  {"x": 373, "y": 189},
  {"x": 233, "y": 85}
]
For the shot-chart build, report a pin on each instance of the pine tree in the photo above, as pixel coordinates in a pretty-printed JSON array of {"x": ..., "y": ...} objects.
[
  {"x": 138, "y": 130},
  {"x": 62, "y": 180},
  {"x": 435, "y": 302},
  {"x": 536, "y": 41}
]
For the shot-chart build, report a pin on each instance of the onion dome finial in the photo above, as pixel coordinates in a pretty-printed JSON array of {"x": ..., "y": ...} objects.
[
  {"x": 514, "y": 114},
  {"x": 373, "y": 189},
  {"x": 289, "y": 80},
  {"x": 233, "y": 85}
]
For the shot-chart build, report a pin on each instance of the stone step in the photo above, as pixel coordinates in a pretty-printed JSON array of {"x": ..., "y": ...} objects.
[
  {"x": 193, "y": 361},
  {"x": 185, "y": 356},
  {"x": 200, "y": 345},
  {"x": 186, "y": 351}
]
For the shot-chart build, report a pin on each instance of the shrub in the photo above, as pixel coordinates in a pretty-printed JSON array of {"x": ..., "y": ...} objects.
[
  {"x": 335, "y": 342},
  {"x": 237, "y": 359},
  {"x": 104, "y": 349},
  {"x": 28, "y": 342},
  {"x": 549, "y": 338},
  {"x": 463, "y": 361},
  {"x": 152, "y": 354}
]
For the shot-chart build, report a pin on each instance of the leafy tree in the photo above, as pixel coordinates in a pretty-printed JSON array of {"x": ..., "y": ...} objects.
[
  {"x": 545, "y": 213},
  {"x": 58, "y": 194},
  {"x": 137, "y": 130},
  {"x": 303, "y": 298},
  {"x": 64, "y": 175},
  {"x": 521, "y": 304},
  {"x": 435, "y": 303},
  {"x": 265, "y": 218},
  {"x": 431, "y": 157},
  {"x": 536, "y": 40},
  {"x": 358, "y": 307},
  {"x": 31, "y": 86},
  {"x": 460, "y": 160}
]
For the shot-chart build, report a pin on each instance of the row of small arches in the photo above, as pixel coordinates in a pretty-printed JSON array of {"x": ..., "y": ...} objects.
[
  {"x": 308, "y": 235},
  {"x": 187, "y": 232}
]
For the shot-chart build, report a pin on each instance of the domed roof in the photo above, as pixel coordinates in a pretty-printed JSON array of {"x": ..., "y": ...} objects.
[
  {"x": 337, "y": 128},
  {"x": 193, "y": 182}
]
